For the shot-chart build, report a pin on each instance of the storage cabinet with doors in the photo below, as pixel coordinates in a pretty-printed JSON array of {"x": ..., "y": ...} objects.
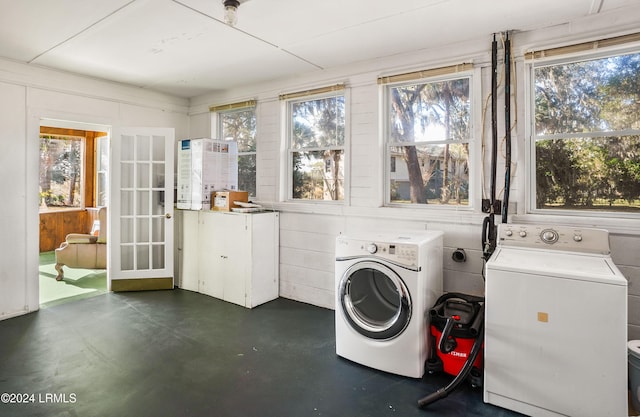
[{"x": 231, "y": 256}]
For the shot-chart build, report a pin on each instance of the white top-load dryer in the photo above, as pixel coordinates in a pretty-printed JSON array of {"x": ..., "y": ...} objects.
[{"x": 556, "y": 323}]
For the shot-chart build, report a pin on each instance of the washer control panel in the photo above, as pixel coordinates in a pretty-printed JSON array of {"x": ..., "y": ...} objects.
[{"x": 561, "y": 238}]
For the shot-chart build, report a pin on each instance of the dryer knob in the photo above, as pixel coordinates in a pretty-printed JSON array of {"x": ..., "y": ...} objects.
[{"x": 372, "y": 248}]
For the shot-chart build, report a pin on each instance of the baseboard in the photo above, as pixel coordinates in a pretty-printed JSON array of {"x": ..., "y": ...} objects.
[{"x": 141, "y": 284}]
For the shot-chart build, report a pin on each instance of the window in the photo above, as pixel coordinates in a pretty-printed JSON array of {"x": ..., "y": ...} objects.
[
  {"x": 102, "y": 167},
  {"x": 74, "y": 167},
  {"x": 428, "y": 132},
  {"x": 316, "y": 147},
  {"x": 240, "y": 125},
  {"x": 586, "y": 134},
  {"x": 61, "y": 171}
]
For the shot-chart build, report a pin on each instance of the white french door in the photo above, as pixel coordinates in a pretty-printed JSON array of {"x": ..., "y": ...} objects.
[{"x": 140, "y": 215}]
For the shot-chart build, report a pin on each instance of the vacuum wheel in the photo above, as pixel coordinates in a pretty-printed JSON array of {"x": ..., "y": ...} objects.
[
  {"x": 433, "y": 365},
  {"x": 475, "y": 377}
]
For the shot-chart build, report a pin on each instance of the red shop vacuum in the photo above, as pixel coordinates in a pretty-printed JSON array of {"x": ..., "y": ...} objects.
[{"x": 457, "y": 339}]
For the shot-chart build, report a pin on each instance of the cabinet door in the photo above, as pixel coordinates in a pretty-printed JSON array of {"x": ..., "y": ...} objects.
[
  {"x": 209, "y": 259},
  {"x": 188, "y": 251},
  {"x": 234, "y": 255}
]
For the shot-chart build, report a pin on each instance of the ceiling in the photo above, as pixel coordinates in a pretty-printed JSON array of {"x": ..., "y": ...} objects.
[{"x": 184, "y": 48}]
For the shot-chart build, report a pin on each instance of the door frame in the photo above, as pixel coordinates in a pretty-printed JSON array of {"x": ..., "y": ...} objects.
[{"x": 37, "y": 117}]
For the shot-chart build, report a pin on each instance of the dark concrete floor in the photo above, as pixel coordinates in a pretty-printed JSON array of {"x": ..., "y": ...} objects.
[{"x": 178, "y": 353}]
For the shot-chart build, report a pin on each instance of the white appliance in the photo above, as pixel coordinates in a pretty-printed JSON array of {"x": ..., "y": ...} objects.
[
  {"x": 384, "y": 286},
  {"x": 556, "y": 323}
]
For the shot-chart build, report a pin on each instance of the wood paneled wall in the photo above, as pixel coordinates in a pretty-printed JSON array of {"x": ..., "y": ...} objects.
[{"x": 56, "y": 225}]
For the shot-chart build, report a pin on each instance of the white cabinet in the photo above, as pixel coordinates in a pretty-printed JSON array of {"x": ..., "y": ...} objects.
[{"x": 231, "y": 256}]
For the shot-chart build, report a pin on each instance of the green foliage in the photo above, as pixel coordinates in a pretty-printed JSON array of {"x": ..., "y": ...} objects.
[{"x": 599, "y": 98}]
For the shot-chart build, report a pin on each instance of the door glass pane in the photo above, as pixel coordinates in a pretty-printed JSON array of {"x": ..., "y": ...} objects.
[
  {"x": 158, "y": 148},
  {"x": 142, "y": 252},
  {"x": 126, "y": 258},
  {"x": 126, "y": 169},
  {"x": 126, "y": 230},
  {"x": 143, "y": 175},
  {"x": 142, "y": 231},
  {"x": 143, "y": 148},
  {"x": 126, "y": 148},
  {"x": 158, "y": 175},
  {"x": 158, "y": 229},
  {"x": 158, "y": 202},
  {"x": 158, "y": 256},
  {"x": 126, "y": 203},
  {"x": 142, "y": 202}
]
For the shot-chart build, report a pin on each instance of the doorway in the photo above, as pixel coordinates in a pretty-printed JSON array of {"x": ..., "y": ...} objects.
[{"x": 73, "y": 185}]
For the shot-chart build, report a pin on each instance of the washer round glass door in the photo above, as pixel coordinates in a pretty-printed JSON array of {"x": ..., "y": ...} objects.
[{"x": 375, "y": 301}]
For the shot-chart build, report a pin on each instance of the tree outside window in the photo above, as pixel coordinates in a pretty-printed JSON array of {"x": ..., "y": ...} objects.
[
  {"x": 60, "y": 171},
  {"x": 316, "y": 148},
  {"x": 587, "y": 134},
  {"x": 240, "y": 125},
  {"x": 428, "y": 135}
]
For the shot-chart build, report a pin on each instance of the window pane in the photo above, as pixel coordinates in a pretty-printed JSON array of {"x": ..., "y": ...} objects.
[
  {"x": 581, "y": 167},
  {"x": 247, "y": 173},
  {"x": 430, "y": 174},
  {"x": 318, "y": 123},
  {"x": 419, "y": 113},
  {"x": 241, "y": 127},
  {"x": 589, "y": 173},
  {"x": 318, "y": 175},
  {"x": 102, "y": 167},
  {"x": 435, "y": 111},
  {"x": 596, "y": 95},
  {"x": 60, "y": 171}
]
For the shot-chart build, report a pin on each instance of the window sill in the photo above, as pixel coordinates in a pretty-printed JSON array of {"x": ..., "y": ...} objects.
[
  {"x": 440, "y": 214},
  {"x": 60, "y": 209}
]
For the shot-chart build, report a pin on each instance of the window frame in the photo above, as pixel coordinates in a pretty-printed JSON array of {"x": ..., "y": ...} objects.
[
  {"x": 289, "y": 150},
  {"x": 473, "y": 75},
  {"x": 530, "y": 146},
  {"x": 82, "y": 187},
  {"x": 219, "y": 126}
]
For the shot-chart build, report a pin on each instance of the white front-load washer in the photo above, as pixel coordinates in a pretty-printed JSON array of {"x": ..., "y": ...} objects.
[
  {"x": 555, "y": 323},
  {"x": 385, "y": 285}
]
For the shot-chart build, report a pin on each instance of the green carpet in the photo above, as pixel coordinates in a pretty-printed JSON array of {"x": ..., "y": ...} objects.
[{"x": 77, "y": 284}]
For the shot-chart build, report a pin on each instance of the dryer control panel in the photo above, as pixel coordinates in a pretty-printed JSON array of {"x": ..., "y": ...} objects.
[
  {"x": 401, "y": 253},
  {"x": 561, "y": 238}
]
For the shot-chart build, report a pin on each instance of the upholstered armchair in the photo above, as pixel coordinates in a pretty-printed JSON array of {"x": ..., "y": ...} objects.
[{"x": 84, "y": 250}]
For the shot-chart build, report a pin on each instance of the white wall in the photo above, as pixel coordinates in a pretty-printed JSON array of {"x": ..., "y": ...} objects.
[
  {"x": 27, "y": 95},
  {"x": 308, "y": 231}
]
